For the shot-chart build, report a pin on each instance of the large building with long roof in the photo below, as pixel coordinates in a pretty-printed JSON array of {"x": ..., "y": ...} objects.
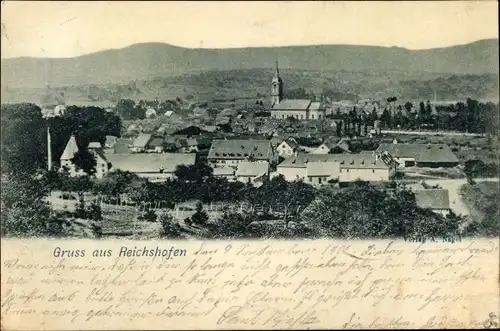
[{"x": 300, "y": 109}]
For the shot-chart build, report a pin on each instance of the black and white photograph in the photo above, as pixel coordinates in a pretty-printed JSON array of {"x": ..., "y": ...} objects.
[
  {"x": 206, "y": 137},
  {"x": 253, "y": 165}
]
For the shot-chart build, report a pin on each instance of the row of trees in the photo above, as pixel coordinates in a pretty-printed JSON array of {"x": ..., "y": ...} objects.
[
  {"x": 24, "y": 134},
  {"x": 471, "y": 116}
]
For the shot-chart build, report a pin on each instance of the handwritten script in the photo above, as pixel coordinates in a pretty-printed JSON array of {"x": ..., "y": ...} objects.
[{"x": 250, "y": 285}]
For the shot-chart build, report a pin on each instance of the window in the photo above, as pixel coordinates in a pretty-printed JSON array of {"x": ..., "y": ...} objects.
[
  {"x": 347, "y": 170},
  {"x": 320, "y": 180},
  {"x": 310, "y": 179},
  {"x": 312, "y": 116},
  {"x": 373, "y": 170}
]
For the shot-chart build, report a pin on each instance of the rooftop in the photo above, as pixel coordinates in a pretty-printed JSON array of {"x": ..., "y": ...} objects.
[
  {"x": 329, "y": 168},
  {"x": 140, "y": 163},
  {"x": 252, "y": 169},
  {"x": 421, "y": 152},
  {"x": 240, "y": 149},
  {"x": 432, "y": 198},
  {"x": 293, "y": 104},
  {"x": 142, "y": 140},
  {"x": 346, "y": 161},
  {"x": 70, "y": 149}
]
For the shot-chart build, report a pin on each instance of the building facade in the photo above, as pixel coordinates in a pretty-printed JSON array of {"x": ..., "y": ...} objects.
[
  {"x": 232, "y": 152},
  {"x": 300, "y": 109}
]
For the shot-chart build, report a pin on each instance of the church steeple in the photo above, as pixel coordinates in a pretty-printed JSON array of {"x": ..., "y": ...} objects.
[{"x": 276, "y": 87}]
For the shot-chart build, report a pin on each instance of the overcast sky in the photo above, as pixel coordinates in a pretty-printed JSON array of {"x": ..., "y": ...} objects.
[{"x": 66, "y": 29}]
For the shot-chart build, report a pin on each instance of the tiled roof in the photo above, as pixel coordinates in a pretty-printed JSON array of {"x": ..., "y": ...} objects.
[
  {"x": 432, "y": 198},
  {"x": 292, "y": 104},
  {"x": 142, "y": 140},
  {"x": 346, "y": 161},
  {"x": 224, "y": 171},
  {"x": 240, "y": 149},
  {"x": 140, "y": 163},
  {"x": 252, "y": 169},
  {"x": 331, "y": 169},
  {"x": 156, "y": 142},
  {"x": 70, "y": 149},
  {"x": 421, "y": 152},
  {"x": 315, "y": 106}
]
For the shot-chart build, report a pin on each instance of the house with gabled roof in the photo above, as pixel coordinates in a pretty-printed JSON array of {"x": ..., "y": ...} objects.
[
  {"x": 437, "y": 200},
  {"x": 95, "y": 148},
  {"x": 252, "y": 172},
  {"x": 420, "y": 155},
  {"x": 366, "y": 167},
  {"x": 155, "y": 167},
  {"x": 287, "y": 147},
  {"x": 140, "y": 143},
  {"x": 319, "y": 173},
  {"x": 234, "y": 151}
]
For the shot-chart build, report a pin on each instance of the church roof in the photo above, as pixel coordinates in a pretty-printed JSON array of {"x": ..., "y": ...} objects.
[
  {"x": 293, "y": 104},
  {"x": 70, "y": 149}
]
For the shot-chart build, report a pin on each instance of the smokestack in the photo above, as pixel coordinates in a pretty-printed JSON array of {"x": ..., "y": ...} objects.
[{"x": 49, "y": 149}]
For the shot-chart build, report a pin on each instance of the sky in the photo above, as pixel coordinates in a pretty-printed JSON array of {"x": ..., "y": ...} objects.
[{"x": 68, "y": 29}]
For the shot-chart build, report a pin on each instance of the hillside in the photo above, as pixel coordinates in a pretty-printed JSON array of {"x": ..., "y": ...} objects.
[
  {"x": 255, "y": 83},
  {"x": 143, "y": 61}
]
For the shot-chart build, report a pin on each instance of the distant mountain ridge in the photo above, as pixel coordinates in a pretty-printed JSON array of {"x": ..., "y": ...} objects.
[{"x": 148, "y": 60}]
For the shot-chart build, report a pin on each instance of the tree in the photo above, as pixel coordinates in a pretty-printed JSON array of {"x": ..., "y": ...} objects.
[
  {"x": 200, "y": 217},
  {"x": 88, "y": 124},
  {"x": 408, "y": 106},
  {"x": 232, "y": 226},
  {"x": 23, "y": 143},
  {"x": 85, "y": 161},
  {"x": 386, "y": 118},
  {"x": 129, "y": 111},
  {"x": 364, "y": 210},
  {"x": 289, "y": 197},
  {"x": 198, "y": 172},
  {"x": 169, "y": 228},
  {"x": 24, "y": 212}
]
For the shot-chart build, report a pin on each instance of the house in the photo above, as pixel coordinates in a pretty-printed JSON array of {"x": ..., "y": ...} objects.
[
  {"x": 225, "y": 152},
  {"x": 420, "y": 155},
  {"x": 301, "y": 109},
  {"x": 228, "y": 172},
  {"x": 352, "y": 167},
  {"x": 437, "y": 200},
  {"x": 154, "y": 167},
  {"x": 329, "y": 146},
  {"x": 140, "y": 143},
  {"x": 155, "y": 145},
  {"x": 287, "y": 147},
  {"x": 321, "y": 172},
  {"x": 188, "y": 145},
  {"x": 122, "y": 146},
  {"x": 252, "y": 172},
  {"x": 68, "y": 154}
]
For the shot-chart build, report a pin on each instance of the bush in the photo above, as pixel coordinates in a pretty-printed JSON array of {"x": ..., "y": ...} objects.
[
  {"x": 200, "y": 217},
  {"x": 149, "y": 216},
  {"x": 169, "y": 229}
]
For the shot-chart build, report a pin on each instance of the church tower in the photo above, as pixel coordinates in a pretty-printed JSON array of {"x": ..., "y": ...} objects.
[{"x": 276, "y": 87}]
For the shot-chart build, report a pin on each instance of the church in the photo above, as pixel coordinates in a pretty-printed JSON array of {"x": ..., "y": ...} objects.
[{"x": 301, "y": 109}]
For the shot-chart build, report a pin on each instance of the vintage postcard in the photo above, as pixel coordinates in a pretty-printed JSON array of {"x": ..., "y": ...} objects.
[{"x": 249, "y": 165}]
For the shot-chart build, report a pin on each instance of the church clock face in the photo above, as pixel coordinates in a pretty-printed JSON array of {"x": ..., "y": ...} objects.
[{"x": 275, "y": 88}]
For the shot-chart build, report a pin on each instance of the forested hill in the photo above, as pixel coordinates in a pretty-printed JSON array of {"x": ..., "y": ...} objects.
[{"x": 149, "y": 60}]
